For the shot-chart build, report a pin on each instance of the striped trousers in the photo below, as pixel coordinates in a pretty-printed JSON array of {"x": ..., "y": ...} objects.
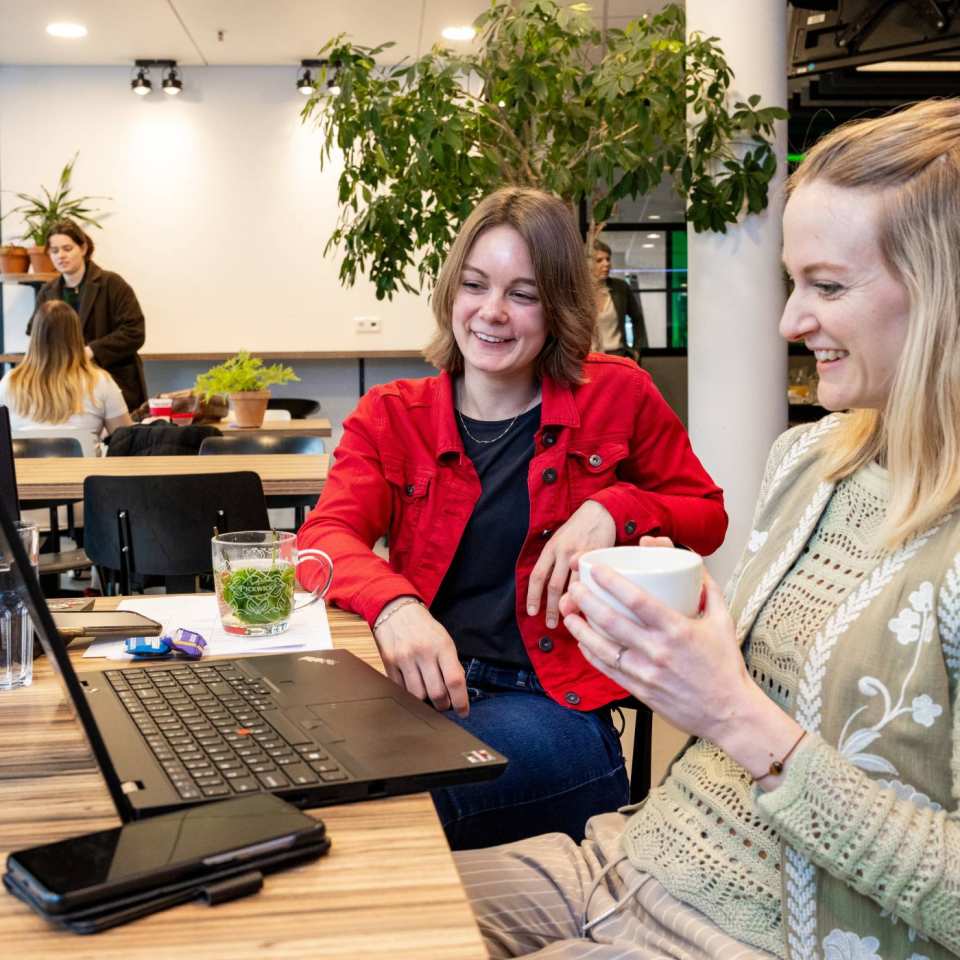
[{"x": 552, "y": 899}]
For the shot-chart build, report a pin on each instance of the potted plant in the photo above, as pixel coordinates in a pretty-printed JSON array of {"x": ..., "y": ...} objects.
[
  {"x": 14, "y": 258},
  {"x": 546, "y": 100},
  {"x": 245, "y": 381},
  {"x": 39, "y": 214}
]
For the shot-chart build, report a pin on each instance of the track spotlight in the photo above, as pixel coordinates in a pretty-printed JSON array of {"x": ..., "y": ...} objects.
[
  {"x": 172, "y": 84},
  {"x": 141, "y": 84},
  {"x": 306, "y": 81}
]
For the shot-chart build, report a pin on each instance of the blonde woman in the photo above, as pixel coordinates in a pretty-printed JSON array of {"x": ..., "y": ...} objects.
[
  {"x": 814, "y": 812},
  {"x": 58, "y": 386}
]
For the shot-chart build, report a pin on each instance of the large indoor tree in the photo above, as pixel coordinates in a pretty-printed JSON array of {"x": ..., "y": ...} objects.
[{"x": 546, "y": 100}]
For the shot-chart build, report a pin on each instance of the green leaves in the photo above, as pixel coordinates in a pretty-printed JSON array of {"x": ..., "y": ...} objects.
[
  {"x": 545, "y": 101},
  {"x": 39, "y": 214},
  {"x": 242, "y": 373}
]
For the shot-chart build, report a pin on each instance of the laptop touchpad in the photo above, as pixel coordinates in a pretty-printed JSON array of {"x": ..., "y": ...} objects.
[{"x": 376, "y": 730}]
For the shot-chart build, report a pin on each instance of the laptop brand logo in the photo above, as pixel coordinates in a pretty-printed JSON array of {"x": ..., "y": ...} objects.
[
  {"x": 479, "y": 756},
  {"x": 324, "y": 660}
]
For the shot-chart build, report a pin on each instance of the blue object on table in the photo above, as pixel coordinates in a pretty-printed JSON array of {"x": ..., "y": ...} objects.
[{"x": 152, "y": 647}]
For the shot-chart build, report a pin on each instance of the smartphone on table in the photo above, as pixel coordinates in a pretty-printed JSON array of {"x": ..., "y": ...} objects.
[
  {"x": 104, "y": 623},
  {"x": 163, "y": 853}
]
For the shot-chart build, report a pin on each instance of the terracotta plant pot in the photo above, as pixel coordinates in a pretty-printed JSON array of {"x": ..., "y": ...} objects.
[
  {"x": 249, "y": 407},
  {"x": 14, "y": 259},
  {"x": 40, "y": 261}
]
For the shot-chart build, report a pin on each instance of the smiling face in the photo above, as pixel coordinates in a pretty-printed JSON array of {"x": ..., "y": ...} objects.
[
  {"x": 66, "y": 253},
  {"x": 846, "y": 305},
  {"x": 497, "y": 318}
]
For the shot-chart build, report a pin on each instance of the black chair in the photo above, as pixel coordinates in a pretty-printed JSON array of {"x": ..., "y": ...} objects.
[
  {"x": 161, "y": 526},
  {"x": 642, "y": 748},
  {"x": 255, "y": 443},
  {"x": 299, "y": 407},
  {"x": 28, "y": 447}
]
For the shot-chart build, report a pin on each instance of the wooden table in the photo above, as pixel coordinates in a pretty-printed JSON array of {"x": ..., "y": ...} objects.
[
  {"x": 388, "y": 887},
  {"x": 317, "y": 427},
  {"x": 61, "y": 478}
]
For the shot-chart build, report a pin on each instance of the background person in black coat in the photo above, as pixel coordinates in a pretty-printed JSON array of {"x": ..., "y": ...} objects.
[
  {"x": 110, "y": 316},
  {"x": 615, "y": 302}
]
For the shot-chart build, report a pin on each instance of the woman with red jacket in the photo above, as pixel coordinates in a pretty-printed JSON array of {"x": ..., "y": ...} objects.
[{"x": 487, "y": 480}]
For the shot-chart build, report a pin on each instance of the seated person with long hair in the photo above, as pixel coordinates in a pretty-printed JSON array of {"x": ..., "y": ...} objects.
[{"x": 58, "y": 387}]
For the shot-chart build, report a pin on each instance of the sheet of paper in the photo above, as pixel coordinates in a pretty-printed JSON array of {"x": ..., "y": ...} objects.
[{"x": 309, "y": 629}]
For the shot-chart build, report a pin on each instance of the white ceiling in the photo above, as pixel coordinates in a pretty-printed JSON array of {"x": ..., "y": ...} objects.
[{"x": 255, "y": 32}]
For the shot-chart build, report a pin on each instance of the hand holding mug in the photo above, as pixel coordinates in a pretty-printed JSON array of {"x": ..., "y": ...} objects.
[{"x": 687, "y": 669}]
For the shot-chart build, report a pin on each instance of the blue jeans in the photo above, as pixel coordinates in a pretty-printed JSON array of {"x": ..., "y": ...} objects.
[{"x": 565, "y": 765}]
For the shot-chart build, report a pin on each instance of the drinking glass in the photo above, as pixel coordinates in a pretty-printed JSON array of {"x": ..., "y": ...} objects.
[
  {"x": 16, "y": 630},
  {"x": 254, "y": 572}
]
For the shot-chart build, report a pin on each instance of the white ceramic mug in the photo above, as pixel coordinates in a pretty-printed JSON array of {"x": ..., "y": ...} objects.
[{"x": 674, "y": 577}]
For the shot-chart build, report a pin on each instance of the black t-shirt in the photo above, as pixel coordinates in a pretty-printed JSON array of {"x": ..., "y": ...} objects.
[
  {"x": 476, "y": 602},
  {"x": 71, "y": 296}
]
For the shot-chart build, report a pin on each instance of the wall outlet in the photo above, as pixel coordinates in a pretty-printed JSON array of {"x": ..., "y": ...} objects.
[{"x": 366, "y": 324}]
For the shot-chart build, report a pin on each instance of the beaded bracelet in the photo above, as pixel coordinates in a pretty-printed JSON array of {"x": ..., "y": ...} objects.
[
  {"x": 384, "y": 617},
  {"x": 776, "y": 767}
]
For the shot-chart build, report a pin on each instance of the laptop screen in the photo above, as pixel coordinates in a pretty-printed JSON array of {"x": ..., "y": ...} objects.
[
  {"x": 18, "y": 585},
  {"x": 8, "y": 473}
]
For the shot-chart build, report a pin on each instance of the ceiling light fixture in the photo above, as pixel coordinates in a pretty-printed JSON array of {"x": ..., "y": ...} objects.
[
  {"x": 67, "y": 31},
  {"x": 172, "y": 84},
  {"x": 461, "y": 34},
  {"x": 142, "y": 85},
  {"x": 653, "y": 236},
  {"x": 653, "y": 216},
  {"x": 307, "y": 83}
]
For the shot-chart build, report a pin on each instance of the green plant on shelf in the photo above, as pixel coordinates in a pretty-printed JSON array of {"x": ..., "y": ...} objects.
[
  {"x": 257, "y": 595},
  {"x": 242, "y": 374},
  {"x": 40, "y": 213}
]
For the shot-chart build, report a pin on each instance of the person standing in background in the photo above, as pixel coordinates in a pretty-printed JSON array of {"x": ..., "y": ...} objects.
[
  {"x": 110, "y": 316},
  {"x": 615, "y": 303}
]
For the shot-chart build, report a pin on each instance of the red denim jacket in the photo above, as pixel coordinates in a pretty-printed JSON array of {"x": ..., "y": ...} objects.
[{"x": 401, "y": 469}]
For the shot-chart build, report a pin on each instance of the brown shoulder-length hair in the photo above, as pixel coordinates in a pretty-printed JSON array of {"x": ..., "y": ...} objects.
[
  {"x": 55, "y": 376},
  {"x": 564, "y": 282},
  {"x": 911, "y": 161},
  {"x": 72, "y": 230}
]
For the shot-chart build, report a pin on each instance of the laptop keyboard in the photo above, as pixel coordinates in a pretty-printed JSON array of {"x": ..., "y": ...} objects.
[{"x": 217, "y": 733}]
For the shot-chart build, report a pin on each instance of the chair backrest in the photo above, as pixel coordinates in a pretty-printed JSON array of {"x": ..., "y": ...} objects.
[
  {"x": 89, "y": 443},
  {"x": 162, "y": 525},
  {"x": 299, "y": 407},
  {"x": 47, "y": 447},
  {"x": 262, "y": 443}
]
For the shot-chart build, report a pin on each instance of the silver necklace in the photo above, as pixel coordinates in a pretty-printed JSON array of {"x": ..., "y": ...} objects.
[{"x": 499, "y": 436}]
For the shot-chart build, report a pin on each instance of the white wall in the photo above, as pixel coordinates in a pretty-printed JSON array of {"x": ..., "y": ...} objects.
[{"x": 219, "y": 209}]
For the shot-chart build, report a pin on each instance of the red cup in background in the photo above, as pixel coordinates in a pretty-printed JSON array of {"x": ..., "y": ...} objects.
[
  {"x": 161, "y": 407},
  {"x": 182, "y": 419}
]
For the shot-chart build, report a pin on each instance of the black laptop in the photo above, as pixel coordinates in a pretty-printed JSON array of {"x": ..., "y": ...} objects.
[{"x": 315, "y": 728}]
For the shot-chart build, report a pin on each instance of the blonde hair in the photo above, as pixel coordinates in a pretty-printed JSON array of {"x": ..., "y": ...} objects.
[
  {"x": 564, "y": 282},
  {"x": 911, "y": 160},
  {"x": 56, "y": 376}
]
